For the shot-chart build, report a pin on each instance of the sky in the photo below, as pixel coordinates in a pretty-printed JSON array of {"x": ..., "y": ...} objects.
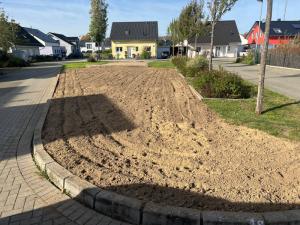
[{"x": 71, "y": 17}]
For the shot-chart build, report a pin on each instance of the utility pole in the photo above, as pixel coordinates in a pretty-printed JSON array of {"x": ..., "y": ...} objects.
[
  {"x": 285, "y": 9},
  {"x": 259, "y": 25}
]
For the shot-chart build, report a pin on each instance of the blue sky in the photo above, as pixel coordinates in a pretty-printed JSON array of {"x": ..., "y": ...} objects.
[{"x": 71, "y": 17}]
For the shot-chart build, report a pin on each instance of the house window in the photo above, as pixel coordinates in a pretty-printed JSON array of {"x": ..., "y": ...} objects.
[
  {"x": 148, "y": 49},
  {"x": 277, "y": 30},
  {"x": 119, "y": 49},
  {"x": 89, "y": 46},
  {"x": 252, "y": 35},
  {"x": 137, "y": 49},
  {"x": 228, "y": 48},
  {"x": 198, "y": 49}
]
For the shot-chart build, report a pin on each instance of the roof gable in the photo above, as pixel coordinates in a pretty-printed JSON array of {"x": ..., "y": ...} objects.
[
  {"x": 226, "y": 32},
  {"x": 25, "y": 39},
  {"x": 40, "y": 35},
  {"x": 280, "y": 28},
  {"x": 128, "y": 31},
  {"x": 62, "y": 37}
]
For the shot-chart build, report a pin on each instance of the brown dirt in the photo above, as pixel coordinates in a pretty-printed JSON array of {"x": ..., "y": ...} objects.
[{"x": 140, "y": 132}]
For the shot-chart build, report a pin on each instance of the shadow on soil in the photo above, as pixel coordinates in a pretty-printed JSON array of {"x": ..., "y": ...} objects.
[{"x": 84, "y": 116}]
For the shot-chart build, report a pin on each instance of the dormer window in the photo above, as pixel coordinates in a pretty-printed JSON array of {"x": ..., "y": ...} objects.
[
  {"x": 277, "y": 30},
  {"x": 296, "y": 26}
]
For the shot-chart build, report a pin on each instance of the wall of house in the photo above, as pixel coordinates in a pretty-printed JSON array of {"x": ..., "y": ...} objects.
[
  {"x": 66, "y": 48},
  {"x": 136, "y": 44},
  {"x": 92, "y": 49},
  {"x": 25, "y": 52},
  {"x": 51, "y": 50},
  {"x": 224, "y": 50},
  {"x": 258, "y": 37}
]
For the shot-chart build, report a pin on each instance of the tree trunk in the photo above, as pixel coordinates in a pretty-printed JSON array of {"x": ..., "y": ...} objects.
[
  {"x": 263, "y": 61},
  {"x": 173, "y": 49},
  {"x": 196, "y": 37},
  {"x": 211, "y": 45}
]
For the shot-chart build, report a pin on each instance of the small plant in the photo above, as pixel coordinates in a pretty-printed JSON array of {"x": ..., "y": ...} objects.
[
  {"x": 222, "y": 84},
  {"x": 145, "y": 55},
  {"x": 195, "y": 65},
  {"x": 92, "y": 58},
  {"x": 180, "y": 62},
  {"x": 249, "y": 59}
]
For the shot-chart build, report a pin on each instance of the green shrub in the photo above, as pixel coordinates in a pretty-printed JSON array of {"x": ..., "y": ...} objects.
[
  {"x": 92, "y": 58},
  {"x": 12, "y": 61},
  {"x": 180, "y": 62},
  {"x": 249, "y": 59},
  {"x": 145, "y": 55},
  {"x": 195, "y": 65},
  {"x": 221, "y": 84},
  {"x": 106, "y": 54}
]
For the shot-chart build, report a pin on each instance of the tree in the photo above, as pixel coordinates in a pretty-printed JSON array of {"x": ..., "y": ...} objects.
[
  {"x": 264, "y": 54},
  {"x": 8, "y": 31},
  {"x": 217, "y": 8},
  {"x": 98, "y": 25},
  {"x": 174, "y": 33},
  {"x": 191, "y": 20},
  {"x": 86, "y": 37}
]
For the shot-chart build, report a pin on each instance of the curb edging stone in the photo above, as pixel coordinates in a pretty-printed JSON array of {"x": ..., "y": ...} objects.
[{"x": 137, "y": 212}]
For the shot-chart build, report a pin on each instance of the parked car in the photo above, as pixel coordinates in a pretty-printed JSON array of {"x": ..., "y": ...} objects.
[{"x": 165, "y": 55}]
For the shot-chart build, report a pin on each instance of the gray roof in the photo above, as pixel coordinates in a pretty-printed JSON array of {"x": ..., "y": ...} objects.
[
  {"x": 25, "y": 39},
  {"x": 40, "y": 35},
  {"x": 288, "y": 28},
  {"x": 133, "y": 31},
  {"x": 62, "y": 37},
  {"x": 225, "y": 32}
]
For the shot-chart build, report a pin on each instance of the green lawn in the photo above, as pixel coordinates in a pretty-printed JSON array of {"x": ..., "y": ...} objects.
[
  {"x": 161, "y": 64},
  {"x": 281, "y": 116},
  {"x": 78, "y": 65}
]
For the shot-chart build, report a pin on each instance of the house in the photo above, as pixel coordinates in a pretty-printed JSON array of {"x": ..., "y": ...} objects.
[
  {"x": 89, "y": 46},
  {"x": 50, "y": 46},
  {"x": 281, "y": 32},
  {"x": 226, "y": 41},
  {"x": 25, "y": 46},
  {"x": 130, "y": 39},
  {"x": 69, "y": 46}
]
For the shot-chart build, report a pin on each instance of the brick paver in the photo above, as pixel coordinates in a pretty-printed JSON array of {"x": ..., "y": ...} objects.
[{"x": 25, "y": 196}]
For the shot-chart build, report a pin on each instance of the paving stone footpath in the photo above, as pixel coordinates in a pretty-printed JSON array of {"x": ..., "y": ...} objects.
[{"x": 27, "y": 197}]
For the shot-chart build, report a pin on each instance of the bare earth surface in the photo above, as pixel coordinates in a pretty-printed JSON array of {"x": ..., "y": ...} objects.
[{"x": 140, "y": 132}]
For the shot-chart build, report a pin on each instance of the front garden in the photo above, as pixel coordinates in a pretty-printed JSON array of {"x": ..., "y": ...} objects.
[{"x": 235, "y": 99}]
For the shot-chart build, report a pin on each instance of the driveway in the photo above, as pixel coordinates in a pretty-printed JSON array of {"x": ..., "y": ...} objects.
[
  {"x": 25, "y": 196},
  {"x": 283, "y": 81}
]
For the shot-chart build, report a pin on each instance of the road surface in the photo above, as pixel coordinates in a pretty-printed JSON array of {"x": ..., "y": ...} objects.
[{"x": 281, "y": 80}]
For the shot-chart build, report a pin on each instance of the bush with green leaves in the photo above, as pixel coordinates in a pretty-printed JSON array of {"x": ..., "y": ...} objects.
[
  {"x": 180, "y": 62},
  {"x": 222, "y": 84},
  {"x": 12, "y": 61},
  {"x": 195, "y": 65},
  {"x": 145, "y": 55},
  {"x": 92, "y": 58},
  {"x": 106, "y": 54},
  {"x": 248, "y": 59}
]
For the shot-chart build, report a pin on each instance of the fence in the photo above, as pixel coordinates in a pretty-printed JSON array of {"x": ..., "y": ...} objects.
[{"x": 284, "y": 59}]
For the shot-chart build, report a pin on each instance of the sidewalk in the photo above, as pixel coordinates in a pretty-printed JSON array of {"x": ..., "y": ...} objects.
[{"x": 26, "y": 197}]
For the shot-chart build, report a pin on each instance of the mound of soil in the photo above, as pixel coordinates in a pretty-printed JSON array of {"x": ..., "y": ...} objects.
[{"x": 140, "y": 132}]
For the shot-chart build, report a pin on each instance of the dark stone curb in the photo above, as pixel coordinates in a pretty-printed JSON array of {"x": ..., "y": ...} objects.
[{"x": 143, "y": 213}]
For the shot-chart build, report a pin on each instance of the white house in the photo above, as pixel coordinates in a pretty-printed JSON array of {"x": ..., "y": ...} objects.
[
  {"x": 226, "y": 41},
  {"x": 50, "y": 46},
  {"x": 26, "y": 46},
  {"x": 68, "y": 46},
  {"x": 89, "y": 46}
]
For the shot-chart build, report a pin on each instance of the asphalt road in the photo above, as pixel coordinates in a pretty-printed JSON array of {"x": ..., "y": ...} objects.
[{"x": 281, "y": 80}]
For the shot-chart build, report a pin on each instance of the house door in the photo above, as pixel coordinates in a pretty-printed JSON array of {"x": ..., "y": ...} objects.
[
  {"x": 130, "y": 51},
  {"x": 218, "y": 49}
]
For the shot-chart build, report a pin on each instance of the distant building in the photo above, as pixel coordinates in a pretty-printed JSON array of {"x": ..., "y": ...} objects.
[
  {"x": 130, "y": 39},
  {"x": 89, "y": 46},
  {"x": 226, "y": 41},
  {"x": 281, "y": 32},
  {"x": 26, "y": 46},
  {"x": 50, "y": 46},
  {"x": 70, "y": 45}
]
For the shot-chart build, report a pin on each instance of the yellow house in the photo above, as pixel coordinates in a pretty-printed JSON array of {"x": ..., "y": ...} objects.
[{"x": 130, "y": 39}]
